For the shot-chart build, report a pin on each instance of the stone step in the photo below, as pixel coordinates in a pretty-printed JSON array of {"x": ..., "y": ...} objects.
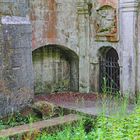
[{"x": 40, "y": 125}]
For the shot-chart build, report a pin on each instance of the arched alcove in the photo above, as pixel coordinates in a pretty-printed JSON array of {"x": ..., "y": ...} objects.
[
  {"x": 56, "y": 68},
  {"x": 109, "y": 79}
]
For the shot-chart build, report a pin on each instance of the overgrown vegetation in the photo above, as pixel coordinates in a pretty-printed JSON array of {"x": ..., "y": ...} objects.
[
  {"x": 101, "y": 128},
  {"x": 119, "y": 126},
  {"x": 16, "y": 120}
]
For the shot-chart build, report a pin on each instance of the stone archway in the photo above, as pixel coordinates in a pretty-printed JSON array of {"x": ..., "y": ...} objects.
[
  {"x": 109, "y": 80},
  {"x": 56, "y": 68}
]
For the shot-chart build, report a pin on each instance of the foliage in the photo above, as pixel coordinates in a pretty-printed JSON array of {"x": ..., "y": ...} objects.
[
  {"x": 63, "y": 85},
  {"x": 104, "y": 128},
  {"x": 118, "y": 127},
  {"x": 16, "y": 119}
]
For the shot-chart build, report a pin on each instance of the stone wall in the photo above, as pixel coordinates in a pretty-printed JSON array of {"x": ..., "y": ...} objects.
[
  {"x": 16, "y": 78},
  {"x": 138, "y": 54},
  {"x": 85, "y": 27},
  {"x": 52, "y": 70},
  {"x": 80, "y": 28},
  {"x": 55, "y": 69},
  {"x": 54, "y": 22}
]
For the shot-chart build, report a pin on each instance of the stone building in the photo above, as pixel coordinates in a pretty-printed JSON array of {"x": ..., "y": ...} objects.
[{"x": 67, "y": 45}]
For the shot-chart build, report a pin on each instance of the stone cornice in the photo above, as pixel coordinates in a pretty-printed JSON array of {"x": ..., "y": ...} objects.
[
  {"x": 15, "y": 20},
  {"x": 129, "y": 6}
]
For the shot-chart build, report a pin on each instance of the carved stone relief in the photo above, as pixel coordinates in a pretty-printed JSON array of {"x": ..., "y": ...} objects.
[{"x": 106, "y": 22}]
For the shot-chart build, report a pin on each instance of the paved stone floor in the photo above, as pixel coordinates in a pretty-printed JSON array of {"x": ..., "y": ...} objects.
[{"x": 92, "y": 104}]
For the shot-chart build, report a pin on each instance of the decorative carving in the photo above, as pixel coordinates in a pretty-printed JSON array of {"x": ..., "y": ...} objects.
[
  {"x": 106, "y": 23},
  {"x": 106, "y": 20},
  {"x": 82, "y": 7},
  {"x": 60, "y": 7}
]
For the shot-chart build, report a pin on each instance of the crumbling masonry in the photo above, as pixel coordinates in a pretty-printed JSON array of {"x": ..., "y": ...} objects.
[{"x": 67, "y": 45}]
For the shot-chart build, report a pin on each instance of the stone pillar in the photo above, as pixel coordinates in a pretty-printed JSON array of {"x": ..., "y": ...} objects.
[
  {"x": 83, "y": 34},
  {"x": 128, "y": 42},
  {"x": 16, "y": 78},
  {"x": 138, "y": 55}
]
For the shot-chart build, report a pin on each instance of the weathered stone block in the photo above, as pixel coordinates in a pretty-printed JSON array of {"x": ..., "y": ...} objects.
[
  {"x": 16, "y": 83},
  {"x": 44, "y": 108}
]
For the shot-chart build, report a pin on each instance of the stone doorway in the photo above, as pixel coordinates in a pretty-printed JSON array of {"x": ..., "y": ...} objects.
[
  {"x": 55, "y": 69},
  {"x": 109, "y": 79}
]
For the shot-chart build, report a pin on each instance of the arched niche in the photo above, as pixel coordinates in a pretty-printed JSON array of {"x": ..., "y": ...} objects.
[
  {"x": 56, "y": 68},
  {"x": 109, "y": 73}
]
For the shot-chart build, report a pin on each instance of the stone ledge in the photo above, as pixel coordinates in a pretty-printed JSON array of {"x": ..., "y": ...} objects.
[
  {"x": 129, "y": 6},
  {"x": 38, "y": 126},
  {"x": 15, "y": 20}
]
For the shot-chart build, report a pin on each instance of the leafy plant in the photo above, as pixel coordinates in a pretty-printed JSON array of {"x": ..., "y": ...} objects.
[{"x": 125, "y": 128}]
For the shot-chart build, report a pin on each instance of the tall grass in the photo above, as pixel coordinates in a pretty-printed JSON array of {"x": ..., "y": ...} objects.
[
  {"x": 101, "y": 128},
  {"x": 117, "y": 126}
]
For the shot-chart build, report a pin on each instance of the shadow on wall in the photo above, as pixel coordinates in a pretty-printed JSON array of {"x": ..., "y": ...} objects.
[{"x": 56, "y": 69}]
